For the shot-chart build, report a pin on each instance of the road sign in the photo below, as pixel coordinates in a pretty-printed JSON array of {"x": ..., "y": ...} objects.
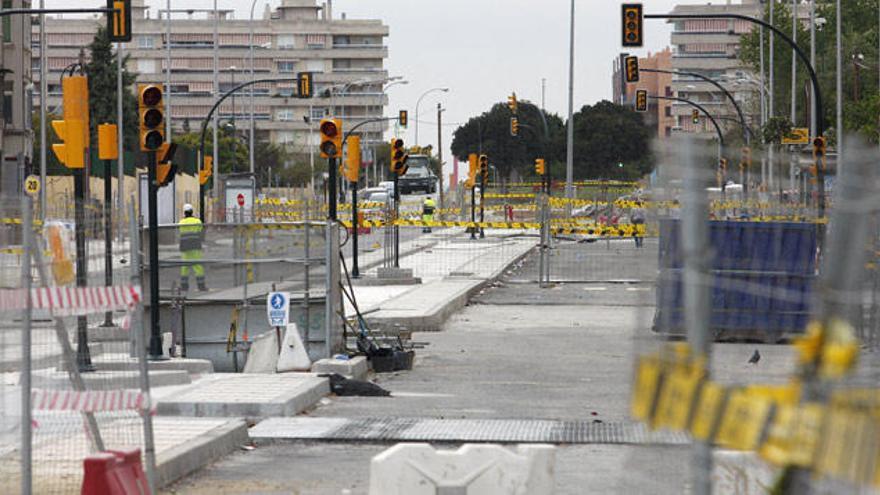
[
  {"x": 278, "y": 309},
  {"x": 240, "y": 199},
  {"x": 32, "y": 185},
  {"x": 797, "y": 135}
]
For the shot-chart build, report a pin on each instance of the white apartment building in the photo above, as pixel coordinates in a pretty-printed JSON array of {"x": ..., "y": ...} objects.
[
  {"x": 16, "y": 135},
  {"x": 710, "y": 47},
  {"x": 346, "y": 57}
]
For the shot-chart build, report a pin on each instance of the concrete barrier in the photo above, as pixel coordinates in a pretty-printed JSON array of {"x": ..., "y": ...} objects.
[
  {"x": 484, "y": 469},
  {"x": 293, "y": 355}
]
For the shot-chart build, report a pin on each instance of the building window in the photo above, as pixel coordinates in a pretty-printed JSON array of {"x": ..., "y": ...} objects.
[
  {"x": 286, "y": 66},
  {"x": 318, "y": 113},
  {"x": 668, "y": 91},
  {"x": 668, "y": 131},
  {"x": 284, "y": 115},
  {"x": 667, "y": 111},
  {"x": 146, "y": 42},
  {"x": 7, "y": 22},
  {"x": 285, "y": 42},
  {"x": 314, "y": 66},
  {"x": 316, "y": 41}
]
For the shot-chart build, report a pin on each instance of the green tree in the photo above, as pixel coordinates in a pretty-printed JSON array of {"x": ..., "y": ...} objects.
[
  {"x": 232, "y": 151},
  {"x": 605, "y": 136},
  {"x": 489, "y": 133},
  {"x": 102, "y": 71}
]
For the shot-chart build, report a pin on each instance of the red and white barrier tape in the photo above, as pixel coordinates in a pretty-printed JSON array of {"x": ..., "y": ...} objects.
[
  {"x": 72, "y": 301},
  {"x": 91, "y": 400}
]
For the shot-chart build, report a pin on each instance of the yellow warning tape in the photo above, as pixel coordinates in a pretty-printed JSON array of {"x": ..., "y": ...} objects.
[
  {"x": 18, "y": 221},
  {"x": 625, "y": 230}
]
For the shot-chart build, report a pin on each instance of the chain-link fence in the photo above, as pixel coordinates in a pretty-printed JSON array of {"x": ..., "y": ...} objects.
[{"x": 74, "y": 371}]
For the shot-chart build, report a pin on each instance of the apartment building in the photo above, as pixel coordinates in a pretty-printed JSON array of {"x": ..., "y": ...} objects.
[
  {"x": 710, "y": 47},
  {"x": 659, "y": 114},
  {"x": 16, "y": 136},
  {"x": 346, "y": 56}
]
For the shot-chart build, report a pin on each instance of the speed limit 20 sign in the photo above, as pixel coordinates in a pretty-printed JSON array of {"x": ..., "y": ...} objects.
[{"x": 32, "y": 185}]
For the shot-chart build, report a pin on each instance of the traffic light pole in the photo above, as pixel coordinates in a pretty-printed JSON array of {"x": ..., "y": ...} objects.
[
  {"x": 153, "y": 229},
  {"x": 108, "y": 237},
  {"x": 355, "y": 271},
  {"x": 473, "y": 211},
  {"x": 332, "y": 198},
  {"x": 396, "y": 230},
  {"x": 83, "y": 357},
  {"x": 482, "y": 196},
  {"x": 817, "y": 92}
]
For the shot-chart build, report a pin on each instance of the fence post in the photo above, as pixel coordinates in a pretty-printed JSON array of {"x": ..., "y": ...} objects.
[
  {"x": 307, "y": 277},
  {"x": 140, "y": 350},
  {"x": 25, "y": 380},
  {"x": 332, "y": 293},
  {"x": 695, "y": 243}
]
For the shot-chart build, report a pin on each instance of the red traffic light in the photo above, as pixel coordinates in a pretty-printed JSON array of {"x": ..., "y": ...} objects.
[
  {"x": 151, "y": 96},
  {"x": 329, "y": 129}
]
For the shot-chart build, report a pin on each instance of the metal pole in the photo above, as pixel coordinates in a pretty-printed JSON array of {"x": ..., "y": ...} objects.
[
  {"x": 83, "y": 357},
  {"x": 25, "y": 379},
  {"x": 253, "y": 78},
  {"x": 482, "y": 200},
  {"x": 473, "y": 212},
  {"x": 813, "y": 63},
  {"x": 216, "y": 145},
  {"x": 311, "y": 151},
  {"x": 694, "y": 235},
  {"x": 152, "y": 208},
  {"x": 772, "y": 109},
  {"x": 794, "y": 23},
  {"x": 839, "y": 91},
  {"x": 108, "y": 237},
  {"x": 168, "y": 70},
  {"x": 355, "y": 271},
  {"x": 120, "y": 143},
  {"x": 569, "y": 153},
  {"x": 43, "y": 96},
  {"x": 331, "y": 196},
  {"x": 440, "y": 111},
  {"x": 396, "y": 231}
]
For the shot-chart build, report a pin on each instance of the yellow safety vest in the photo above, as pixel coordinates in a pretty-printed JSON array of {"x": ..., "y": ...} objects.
[{"x": 190, "y": 234}]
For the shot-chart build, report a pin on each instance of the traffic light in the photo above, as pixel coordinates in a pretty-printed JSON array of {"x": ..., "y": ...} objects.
[
  {"x": 514, "y": 126},
  {"x": 353, "y": 159},
  {"x": 484, "y": 168},
  {"x": 151, "y": 110},
  {"x": 108, "y": 144},
  {"x": 119, "y": 21},
  {"x": 398, "y": 157},
  {"x": 166, "y": 170},
  {"x": 631, "y": 68},
  {"x": 540, "y": 167},
  {"x": 695, "y": 116},
  {"x": 472, "y": 170},
  {"x": 403, "y": 118},
  {"x": 331, "y": 138},
  {"x": 304, "y": 84},
  {"x": 632, "y": 24},
  {"x": 73, "y": 131},
  {"x": 641, "y": 100},
  {"x": 207, "y": 170},
  {"x": 819, "y": 145},
  {"x": 746, "y": 158},
  {"x": 512, "y": 104}
]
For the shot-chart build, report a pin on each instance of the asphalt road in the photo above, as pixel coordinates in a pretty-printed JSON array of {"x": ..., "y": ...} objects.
[{"x": 516, "y": 352}]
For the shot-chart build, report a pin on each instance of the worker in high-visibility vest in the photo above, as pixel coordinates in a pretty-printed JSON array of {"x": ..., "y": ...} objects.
[
  {"x": 428, "y": 213},
  {"x": 191, "y": 233}
]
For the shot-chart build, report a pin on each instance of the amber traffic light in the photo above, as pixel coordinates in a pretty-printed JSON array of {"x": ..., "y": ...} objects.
[
  {"x": 151, "y": 111},
  {"x": 819, "y": 145},
  {"x": 304, "y": 84},
  {"x": 73, "y": 131},
  {"x": 207, "y": 170},
  {"x": 512, "y": 104},
  {"x": 484, "y": 167},
  {"x": 514, "y": 126},
  {"x": 641, "y": 100},
  {"x": 695, "y": 116},
  {"x": 632, "y": 24},
  {"x": 119, "y": 21},
  {"x": 472, "y": 170},
  {"x": 353, "y": 159},
  {"x": 331, "y": 138},
  {"x": 631, "y": 68},
  {"x": 403, "y": 118},
  {"x": 540, "y": 167},
  {"x": 398, "y": 157}
]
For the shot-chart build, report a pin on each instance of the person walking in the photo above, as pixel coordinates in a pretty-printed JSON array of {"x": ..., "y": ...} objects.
[
  {"x": 191, "y": 234},
  {"x": 637, "y": 218},
  {"x": 428, "y": 208}
]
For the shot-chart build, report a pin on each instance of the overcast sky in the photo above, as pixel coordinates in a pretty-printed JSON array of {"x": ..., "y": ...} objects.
[{"x": 484, "y": 49}]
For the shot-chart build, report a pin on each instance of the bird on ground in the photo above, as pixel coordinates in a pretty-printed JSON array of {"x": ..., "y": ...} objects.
[{"x": 756, "y": 356}]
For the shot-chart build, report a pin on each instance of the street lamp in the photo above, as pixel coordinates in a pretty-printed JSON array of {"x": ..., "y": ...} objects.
[
  {"x": 419, "y": 101},
  {"x": 253, "y": 78}
]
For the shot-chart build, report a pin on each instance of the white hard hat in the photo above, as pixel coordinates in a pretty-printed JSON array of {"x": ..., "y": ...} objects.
[{"x": 188, "y": 208}]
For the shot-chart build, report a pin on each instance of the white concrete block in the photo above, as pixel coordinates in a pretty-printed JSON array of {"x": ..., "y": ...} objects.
[
  {"x": 356, "y": 368},
  {"x": 263, "y": 354},
  {"x": 484, "y": 469},
  {"x": 293, "y": 355},
  {"x": 167, "y": 343}
]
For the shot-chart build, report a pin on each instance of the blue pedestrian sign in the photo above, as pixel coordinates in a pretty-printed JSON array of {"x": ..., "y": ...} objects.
[{"x": 278, "y": 309}]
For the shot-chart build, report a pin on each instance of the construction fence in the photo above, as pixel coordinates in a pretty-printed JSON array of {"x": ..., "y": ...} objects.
[{"x": 74, "y": 374}]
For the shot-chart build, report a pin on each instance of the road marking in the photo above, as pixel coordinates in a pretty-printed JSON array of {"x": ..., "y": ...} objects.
[
  {"x": 595, "y": 288},
  {"x": 637, "y": 288}
]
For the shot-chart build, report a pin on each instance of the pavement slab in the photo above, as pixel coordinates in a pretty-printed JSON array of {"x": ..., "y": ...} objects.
[{"x": 246, "y": 395}]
